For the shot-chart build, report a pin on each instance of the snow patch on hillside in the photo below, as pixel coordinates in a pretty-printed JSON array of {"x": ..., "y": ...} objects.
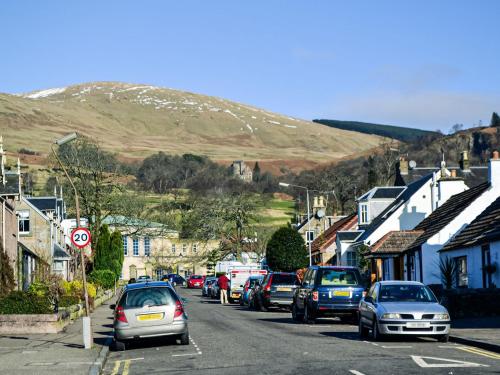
[{"x": 45, "y": 93}]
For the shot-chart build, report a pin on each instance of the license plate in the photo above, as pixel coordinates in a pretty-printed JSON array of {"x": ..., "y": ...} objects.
[
  {"x": 235, "y": 295},
  {"x": 341, "y": 293},
  {"x": 149, "y": 317},
  {"x": 418, "y": 325},
  {"x": 283, "y": 289}
]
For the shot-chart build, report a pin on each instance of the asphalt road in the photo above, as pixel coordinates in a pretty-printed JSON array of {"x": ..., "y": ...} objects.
[{"x": 230, "y": 339}]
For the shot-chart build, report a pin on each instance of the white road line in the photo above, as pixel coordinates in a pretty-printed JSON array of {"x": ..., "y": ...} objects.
[
  {"x": 355, "y": 372},
  {"x": 444, "y": 362},
  {"x": 184, "y": 355},
  {"x": 396, "y": 346}
]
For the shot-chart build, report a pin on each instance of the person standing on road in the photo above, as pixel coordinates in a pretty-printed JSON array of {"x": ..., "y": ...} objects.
[{"x": 223, "y": 286}]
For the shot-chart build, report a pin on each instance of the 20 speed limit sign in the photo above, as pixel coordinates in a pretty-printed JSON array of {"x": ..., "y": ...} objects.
[{"x": 80, "y": 237}]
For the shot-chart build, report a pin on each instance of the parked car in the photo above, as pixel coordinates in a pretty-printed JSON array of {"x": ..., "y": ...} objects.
[
  {"x": 144, "y": 279},
  {"x": 215, "y": 290},
  {"x": 207, "y": 286},
  {"x": 248, "y": 288},
  {"x": 253, "y": 293},
  {"x": 328, "y": 291},
  {"x": 276, "y": 290},
  {"x": 147, "y": 310},
  {"x": 174, "y": 279},
  {"x": 195, "y": 281},
  {"x": 403, "y": 308}
]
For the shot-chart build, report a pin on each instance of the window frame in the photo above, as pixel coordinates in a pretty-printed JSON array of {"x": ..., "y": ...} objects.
[
  {"x": 354, "y": 257},
  {"x": 125, "y": 245},
  {"x": 135, "y": 241},
  {"x": 462, "y": 276},
  {"x": 147, "y": 246},
  {"x": 363, "y": 213},
  {"x": 23, "y": 219}
]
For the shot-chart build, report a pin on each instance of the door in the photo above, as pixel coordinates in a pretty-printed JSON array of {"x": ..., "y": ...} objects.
[
  {"x": 367, "y": 310},
  {"x": 303, "y": 289},
  {"x": 486, "y": 265}
]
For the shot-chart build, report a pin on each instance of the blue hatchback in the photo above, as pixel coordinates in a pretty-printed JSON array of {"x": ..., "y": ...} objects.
[
  {"x": 247, "y": 288},
  {"x": 328, "y": 291}
]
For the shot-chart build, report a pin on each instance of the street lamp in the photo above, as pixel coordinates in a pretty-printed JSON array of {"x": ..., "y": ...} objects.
[
  {"x": 284, "y": 184},
  {"x": 87, "y": 335}
]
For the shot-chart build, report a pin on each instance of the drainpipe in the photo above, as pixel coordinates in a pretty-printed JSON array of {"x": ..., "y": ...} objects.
[{"x": 433, "y": 192}]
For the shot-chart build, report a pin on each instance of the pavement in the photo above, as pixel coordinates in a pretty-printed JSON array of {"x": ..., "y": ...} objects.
[
  {"x": 481, "y": 332},
  {"x": 229, "y": 339},
  {"x": 59, "y": 353}
]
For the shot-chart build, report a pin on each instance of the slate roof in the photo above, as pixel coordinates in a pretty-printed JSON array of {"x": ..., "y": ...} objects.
[
  {"x": 43, "y": 203},
  {"x": 387, "y": 192},
  {"x": 446, "y": 213},
  {"x": 329, "y": 236},
  {"x": 403, "y": 197},
  {"x": 483, "y": 229},
  {"x": 351, "y": 235},
  {"x": 472, "y": 178},
  {"x": 60, "y": 253},
  {"x": 395, "y": 242},
  {"x": 11, "y": 186}
]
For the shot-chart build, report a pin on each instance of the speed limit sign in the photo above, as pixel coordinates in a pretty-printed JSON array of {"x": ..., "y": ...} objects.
[{"x": 80, "y": 237}]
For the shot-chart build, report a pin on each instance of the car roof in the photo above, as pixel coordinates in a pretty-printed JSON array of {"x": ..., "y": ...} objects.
[
  {"x": 399, "y": 282},
  {"x": 148, "y": 284},
  {"x": 283, "y": 273},
  {"x": 335, "y": 267}
]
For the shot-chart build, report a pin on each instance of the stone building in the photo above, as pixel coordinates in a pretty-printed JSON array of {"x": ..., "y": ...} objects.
[{"x": 241, "y": 170}]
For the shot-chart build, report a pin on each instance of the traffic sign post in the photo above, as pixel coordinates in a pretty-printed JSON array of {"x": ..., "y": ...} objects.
[{"x": 80, "y": 237}]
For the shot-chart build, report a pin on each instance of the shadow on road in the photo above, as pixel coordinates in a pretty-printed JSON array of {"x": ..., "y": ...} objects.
[{"x": 352, "y": 336}]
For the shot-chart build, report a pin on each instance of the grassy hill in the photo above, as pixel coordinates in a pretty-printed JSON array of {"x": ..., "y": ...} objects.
[
  {"x": 389, "y": 131},
  {"x": 135, "y": 121}
]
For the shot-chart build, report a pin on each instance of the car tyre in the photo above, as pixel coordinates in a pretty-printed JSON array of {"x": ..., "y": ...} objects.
[
  {"x": 363, "y": 331},
  {"x": 444, "y": 338},
  {"x": 309, "y": 318},
  {"x": 119, "y": 346},
  {"x": 184, "y": 338},
  {"x": 296, "y": 316},
  {"x": 376, "y": 335}
]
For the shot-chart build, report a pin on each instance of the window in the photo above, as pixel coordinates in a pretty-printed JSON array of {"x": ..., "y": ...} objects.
[
  {"x": 195, "y": 248},
  {"x": 351, "y": 259},
  {"x": 309, "y": 236},
  {"x": 462, "y": 280},
  {"x": 125, "y": 245},
  {"x": 487, "y": 267},
  {"x": 147, "y": 246},
  {"x": 406, "y": 293},
  {"x": 363, "y": 213},
  {"x": 184, "y": 248},
  {"x": 386, "y": 266},
  {"x": 135, "y": 247},
  {"x": 173, "y": 248},
  {"x": 23, "y": 218},
  {"x": 339, "y": 277}
]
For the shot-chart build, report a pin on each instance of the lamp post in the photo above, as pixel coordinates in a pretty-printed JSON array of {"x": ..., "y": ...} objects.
[
  {"x": 284, "y": 184},
  {"x": 87, "y": 335}
]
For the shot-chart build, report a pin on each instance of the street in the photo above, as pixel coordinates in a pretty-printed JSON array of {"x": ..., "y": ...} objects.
[{"x": 231, "y": 339}]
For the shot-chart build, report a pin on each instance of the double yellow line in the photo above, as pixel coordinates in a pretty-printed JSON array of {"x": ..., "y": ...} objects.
[
  {"x": 477, "y": 351},
  {"x": 126, "y": 367}
]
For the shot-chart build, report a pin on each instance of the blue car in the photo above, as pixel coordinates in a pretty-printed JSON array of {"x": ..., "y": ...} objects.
[
  {"x": 247, "y": 288},
  {"x": 328, "y": 291}
]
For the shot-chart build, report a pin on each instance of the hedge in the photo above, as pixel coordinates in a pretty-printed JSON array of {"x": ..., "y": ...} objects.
[
  {"x": 103, "y": 278},
  {"x": 25, "y": 303},
  {"x": 66, "y": 301}
]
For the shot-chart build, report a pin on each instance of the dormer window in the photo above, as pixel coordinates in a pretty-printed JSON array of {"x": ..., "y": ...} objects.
[{"x": 363, "y": 214}]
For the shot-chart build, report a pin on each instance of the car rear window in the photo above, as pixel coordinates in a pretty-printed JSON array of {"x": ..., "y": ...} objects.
[
  {"x": 279, "y": 278},
  {"x": 148, "y": 297},
  {"x": 339, "y": 277}
]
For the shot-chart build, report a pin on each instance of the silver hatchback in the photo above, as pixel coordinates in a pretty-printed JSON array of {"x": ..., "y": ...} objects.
[
  {"x": 402, "y": 308},
  {"x": 146, "y": 310}
]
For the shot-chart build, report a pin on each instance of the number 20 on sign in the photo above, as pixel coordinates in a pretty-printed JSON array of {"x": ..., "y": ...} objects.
[{"x": 80, "y": 237}]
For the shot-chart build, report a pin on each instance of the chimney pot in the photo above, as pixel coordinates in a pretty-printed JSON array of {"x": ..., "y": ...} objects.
[
  {"x": 453, "y": 173},
  {"x": 495, "y": 155}
]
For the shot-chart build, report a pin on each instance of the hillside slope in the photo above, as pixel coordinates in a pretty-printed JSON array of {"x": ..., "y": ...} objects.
[
  {"x": 390, "y": 131},
  {"x": 137, "y": 120}
]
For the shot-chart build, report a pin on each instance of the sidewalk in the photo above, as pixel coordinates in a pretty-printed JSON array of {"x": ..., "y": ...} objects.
[
  {"x": 480, "y": 332},
  {"x": 59, "y": 353}
]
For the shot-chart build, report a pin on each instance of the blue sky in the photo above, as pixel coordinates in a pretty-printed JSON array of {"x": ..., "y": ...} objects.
[{"x": 425, "y": 63}]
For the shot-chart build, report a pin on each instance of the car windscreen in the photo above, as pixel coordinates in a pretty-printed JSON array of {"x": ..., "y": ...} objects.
[
  {"x": 138, "y": 298},
  {"x": 284, "y": 279},
  {"x": 339, "y": 277},
  {"x": 405, "y": 293},
  {"x": 196, "y": 277}
]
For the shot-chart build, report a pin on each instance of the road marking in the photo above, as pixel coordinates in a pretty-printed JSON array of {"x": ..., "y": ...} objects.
[
  {"x": 484, "y": 353},
  {"x": 198, "y": 350},
  {"x": 397, "y": 347},
  {"x": 116, "y": 368},
  {"x": 126, "y": 367},
  {"x": 355, "y": 372},
  {"x": 421, "y": 361},
  {"x": 184, "y": 355}
]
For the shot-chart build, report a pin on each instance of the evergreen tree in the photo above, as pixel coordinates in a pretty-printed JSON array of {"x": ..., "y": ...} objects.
[
  {"x": 117, "y": 256},
  {"x": 102, "y": 254},
  {"x": 495, "y": 120},
  {"x": 372, "y": 173},
  {"x": 286, "y": 251},
  {"x": 256, "y": 172},
  {"x": 7, "y": 282}
]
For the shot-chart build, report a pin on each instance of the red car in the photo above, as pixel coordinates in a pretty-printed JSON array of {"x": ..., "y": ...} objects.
[{"x": 195, "y": 281}]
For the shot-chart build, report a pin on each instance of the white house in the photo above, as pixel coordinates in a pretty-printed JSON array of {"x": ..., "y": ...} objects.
[{"x": 422, "y": 256}]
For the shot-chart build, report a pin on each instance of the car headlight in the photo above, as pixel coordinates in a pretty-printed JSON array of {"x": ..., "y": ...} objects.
[
  {"x": 441, "y": 316},
  {"x": 391, "y": 316}
]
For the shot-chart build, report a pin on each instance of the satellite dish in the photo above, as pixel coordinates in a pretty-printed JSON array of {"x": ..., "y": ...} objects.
[
  {"x": 320, "y": 214},
  {"x": 413, "y": 164}
]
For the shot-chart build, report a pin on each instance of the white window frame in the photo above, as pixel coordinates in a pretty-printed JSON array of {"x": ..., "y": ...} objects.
[
  {"x": 184, "y": 248},
  {"x": 309, "y": 236},
  {"x": 125, "y": 245},
  {"x": 173, "y": 248},
  {"x": 351, "y": 258},
  {"x": 23, "y": 216},
  {"x": 147, "y": 246},
  {"x": 195, "y": 248},
  {"x": 135, "y": 246},
  {"x": 363, "y": 213}
]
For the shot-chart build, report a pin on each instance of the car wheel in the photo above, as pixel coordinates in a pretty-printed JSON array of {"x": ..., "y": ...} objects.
[
  {"x": 309, "y": 318},
  {"x": 263, "y": 308},
  {"x": 296, "y": 316},
  {"x": 444, "y": 338},
  {"x": 376, "y": 336},
  {"x": 184, "y": 338},
  {"x": 363, "y": 331},
  {"x": 119, "y": 346}
]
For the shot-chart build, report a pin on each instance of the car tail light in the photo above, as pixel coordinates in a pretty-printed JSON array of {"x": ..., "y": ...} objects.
[
  {"x": 315, "y": 296},
  {"x": 179, "y": 310},
  {"x": 120, "y": 315},
  {"x": 267, "y": 288}
]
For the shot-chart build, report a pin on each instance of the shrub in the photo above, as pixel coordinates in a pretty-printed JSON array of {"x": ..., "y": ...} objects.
[
  {"x": 38, "y": 289},
  {"x": 286, "y": 251},
  {"x": 7, "y": 275},
  {"x": 73, "y": 288},
  {"x": 67, "y": 301},
  {"x": 103, "y": 278},
  {"x": 25, "y": 303},
  {"x": 91, "y": 290}
]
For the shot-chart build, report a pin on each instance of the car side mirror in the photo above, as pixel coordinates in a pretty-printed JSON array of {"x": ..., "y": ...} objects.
[{"x": 112, "y": 307}]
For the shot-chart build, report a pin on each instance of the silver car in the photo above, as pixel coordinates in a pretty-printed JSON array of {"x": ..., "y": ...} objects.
[
  {"x": 402, "y": 308},
  {"x": 149, "y": 309}
]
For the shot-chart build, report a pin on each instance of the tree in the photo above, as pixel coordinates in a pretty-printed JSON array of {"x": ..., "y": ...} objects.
[
  {"x": 116, "y": 252},
  {"x": 103, "y": 255},
  {"x": 286, "y": 251},
  {"x": 372, "y": 173},
  {"x": 7, "y": 282},
  {"x": 495, "y": 120},
  {"x": 256, "y": 172}
]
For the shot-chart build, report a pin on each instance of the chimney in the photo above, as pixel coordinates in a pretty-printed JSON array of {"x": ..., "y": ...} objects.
[
  {"x": 464, "y": 161},
  {"x": 403, "y": 166},
  {"x": 315, "y": 204},
  {"x": 453, "y": 173},
  {"x": 449, "y": 186},
  {"x": 494, "y": 170}
]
